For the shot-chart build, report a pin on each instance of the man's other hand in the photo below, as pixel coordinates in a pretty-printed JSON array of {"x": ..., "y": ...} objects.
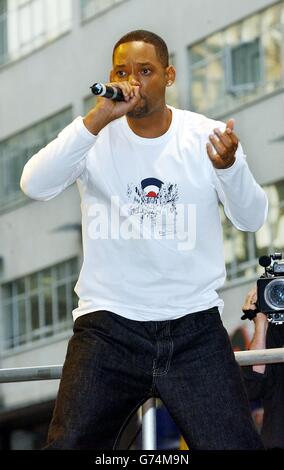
[{"x": 225, "y": 144}]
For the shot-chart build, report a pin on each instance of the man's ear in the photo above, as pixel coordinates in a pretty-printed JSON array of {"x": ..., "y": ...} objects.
[{"x": 170, "y": 75}]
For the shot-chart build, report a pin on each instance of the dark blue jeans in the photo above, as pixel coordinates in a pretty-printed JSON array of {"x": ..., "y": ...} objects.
[{"x": 114, "y": 364}]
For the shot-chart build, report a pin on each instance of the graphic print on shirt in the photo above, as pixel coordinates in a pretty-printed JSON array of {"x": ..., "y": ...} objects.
[{"x": 154, "y": 202}]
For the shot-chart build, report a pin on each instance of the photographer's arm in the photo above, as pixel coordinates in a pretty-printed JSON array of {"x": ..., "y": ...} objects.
[
  {"x": 259, "y": 338},
  {"x": 255, "y": 378},
  {"x": 260, "y": 327}
]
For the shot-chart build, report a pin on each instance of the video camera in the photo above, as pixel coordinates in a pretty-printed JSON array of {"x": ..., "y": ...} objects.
[{"x": 270, "y": 290}]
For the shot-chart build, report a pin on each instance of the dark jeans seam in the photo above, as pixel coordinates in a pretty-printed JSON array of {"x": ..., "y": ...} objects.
[
  {"x": 158, "y": 374},
  {"x": 158, "y": 350}
]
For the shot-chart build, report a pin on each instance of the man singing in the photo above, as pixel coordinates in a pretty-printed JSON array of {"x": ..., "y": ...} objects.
[{"x": 147, "y": 324}]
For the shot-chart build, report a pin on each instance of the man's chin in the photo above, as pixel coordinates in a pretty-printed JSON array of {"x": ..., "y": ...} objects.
[{"x": 138, "y": 112}]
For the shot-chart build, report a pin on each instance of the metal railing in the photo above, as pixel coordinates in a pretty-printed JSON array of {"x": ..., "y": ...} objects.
[{"x": 53, "y": 372}]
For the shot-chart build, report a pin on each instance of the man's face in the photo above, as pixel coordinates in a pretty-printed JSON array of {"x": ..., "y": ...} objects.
[{"x": 137, "y": 62}]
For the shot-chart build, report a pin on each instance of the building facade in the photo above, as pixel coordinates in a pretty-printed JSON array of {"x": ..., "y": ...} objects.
[{"x": 230, "y": 63}]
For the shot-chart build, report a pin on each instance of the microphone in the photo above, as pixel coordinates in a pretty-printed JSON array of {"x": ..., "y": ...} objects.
[{"x": 107, "y": 91}]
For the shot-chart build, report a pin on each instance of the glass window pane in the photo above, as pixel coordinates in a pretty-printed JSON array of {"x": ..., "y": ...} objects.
[
  {"x": 32, "y": 23},
  {"x": 241, "y": 246},
  {"x": 16, "y": 150},
  {"x": 25, "y": 25},
  {"x": 272, "y": 43},
  {"x": 62, "y": 310},
  {"x": 233, "y": 35},
  {"x": 34, "y": 281},
  {"x": 8, "y": 325},
  {"x": 270, "y": 17},
  {"x": 60, "y": 270},
  {"x": 246, "y": 63},
  {"x": 263, "y": 239},
  {"x": 74, "y": 300},
  {"x": 3, "y": 31},
  {"x": 199, "y": 89},
  {"x": 22, "y": 321},
  {"x": 7, "y": 290},
  {"x": 34, "y": 312},
  {"x": 29, "y": 293},
  {"x": 279, "y": 186},
  {"x": 215, "y": 43},
  {"x": 46, "y": 278},
  {"x": 37, "y": 14},
  {"x": 216, "y": 83},
  {"x": 278, "y": 231},
  {"x": 74, "y": 266},
  {"x": 198, "y": 52},
  {"x": 250, "y": 28},
  {"x": 2, "y": 179},
  {"x": 13, "y": 173},
  {"x": 48, "y": 307},
  {"x": 20, "y": 286}
]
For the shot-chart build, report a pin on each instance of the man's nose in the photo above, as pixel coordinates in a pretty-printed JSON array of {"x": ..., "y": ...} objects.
[{"x": 133, "y": 81}]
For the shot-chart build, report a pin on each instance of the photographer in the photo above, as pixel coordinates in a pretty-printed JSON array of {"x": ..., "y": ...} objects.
[{"x": 266, "y": 382}]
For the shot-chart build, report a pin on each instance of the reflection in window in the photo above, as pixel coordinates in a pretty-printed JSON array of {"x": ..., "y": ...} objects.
[
  {"x": 3, "y": 32},
  {"x": 245, "y": 66},
  {"x": 27, "y": 25},
  {"x": 238, "y": 64},
  {"x": 242, "y": 249},
  {"x": 17, "y": 150},
  {"x": 40, "y": 304}
]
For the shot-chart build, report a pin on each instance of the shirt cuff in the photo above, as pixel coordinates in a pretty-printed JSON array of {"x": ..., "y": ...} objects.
[{"x": 232, "y": 169}]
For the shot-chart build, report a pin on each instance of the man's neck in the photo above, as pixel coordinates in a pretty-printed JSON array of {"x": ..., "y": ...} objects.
[{"x": 154, "y": 125}]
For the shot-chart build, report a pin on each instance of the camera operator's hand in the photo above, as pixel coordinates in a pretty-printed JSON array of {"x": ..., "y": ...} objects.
[
  {"x": 260, "y": 326},
  {"x": 106, "y": 110},
  {"x": 250, "y": 304},
  {"x": 250, "y": 300}
]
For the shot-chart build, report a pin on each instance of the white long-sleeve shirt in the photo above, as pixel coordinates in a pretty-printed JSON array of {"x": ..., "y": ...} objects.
[{"x": 152, "y": 236}]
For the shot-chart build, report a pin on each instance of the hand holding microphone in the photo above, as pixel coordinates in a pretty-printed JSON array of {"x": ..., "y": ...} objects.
[
  {"x": 107, "y": 91},
  {"x": 122, "y": 98}
]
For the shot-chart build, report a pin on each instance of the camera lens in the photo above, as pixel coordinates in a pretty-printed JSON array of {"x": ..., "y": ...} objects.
[{"x": 274, "y": 294}]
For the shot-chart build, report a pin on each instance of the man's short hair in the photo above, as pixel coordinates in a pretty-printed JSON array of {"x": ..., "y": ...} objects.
[{"x": 150, "y": 38}]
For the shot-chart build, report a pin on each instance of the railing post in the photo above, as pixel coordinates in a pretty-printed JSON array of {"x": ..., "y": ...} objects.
[{"x": 149, "y": 433}]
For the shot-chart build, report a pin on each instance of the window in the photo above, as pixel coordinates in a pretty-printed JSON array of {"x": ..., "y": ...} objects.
[
  {"x": 39, "y": 305},
  {"x": 238, "y": 64},
  {"x": 17, "y": 150},
  {"x": 3, "y": 31},
  {"x": 91, "y": 8},
  {"x": 245, "y": 66},
  {"x": 26, "y": 25},
  {"x": 242, "y": 249}
]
